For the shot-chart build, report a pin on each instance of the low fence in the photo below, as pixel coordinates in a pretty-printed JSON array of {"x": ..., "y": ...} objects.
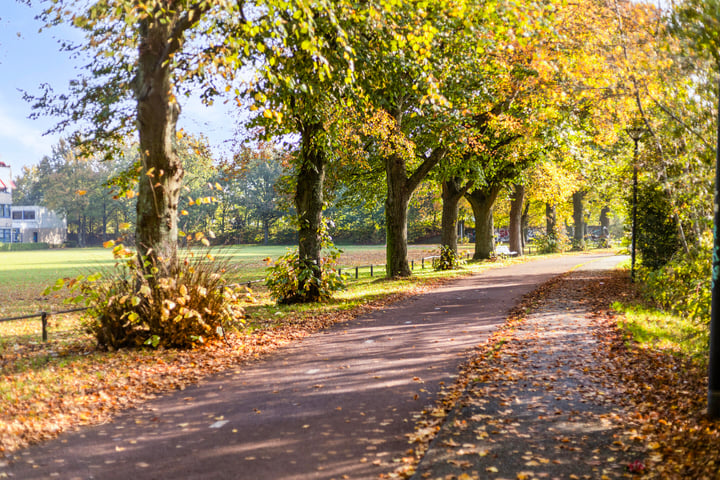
[
  {"x": 43, "y": 318},
  {"x": 383, "y": 267}
]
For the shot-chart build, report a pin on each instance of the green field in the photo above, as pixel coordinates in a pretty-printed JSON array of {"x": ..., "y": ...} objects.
[{"x": 24, "y": 275}]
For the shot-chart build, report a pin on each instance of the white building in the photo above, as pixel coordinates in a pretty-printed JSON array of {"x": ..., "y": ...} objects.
[
  {"x": 31, "y": 224},
  {"x": 7, "y": 234},
  {"x": 35, "y": 224}
]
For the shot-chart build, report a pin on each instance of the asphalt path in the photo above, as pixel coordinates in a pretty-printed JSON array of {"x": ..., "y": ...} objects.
[{"x": 336, "y": 405}]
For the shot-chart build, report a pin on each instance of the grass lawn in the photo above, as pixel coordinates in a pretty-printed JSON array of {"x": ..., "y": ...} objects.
[{"x": 25, "y": 275}]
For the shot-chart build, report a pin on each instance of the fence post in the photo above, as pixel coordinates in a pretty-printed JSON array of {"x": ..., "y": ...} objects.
[
  {"x": 356, "y": 272},
  {"x": 412, "y": 264},
  {"x": 371, "y": 270},
  {"x": 423, "y": 263},
  {"x": 43, "y": 319}
]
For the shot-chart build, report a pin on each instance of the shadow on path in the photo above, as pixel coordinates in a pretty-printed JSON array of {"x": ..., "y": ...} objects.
[{"x": 338, "y": 404}]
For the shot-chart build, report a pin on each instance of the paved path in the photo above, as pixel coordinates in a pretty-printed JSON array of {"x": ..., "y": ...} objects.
[
  {"x": 542, "y": 407},
  {"x": 338, "y": 404}
]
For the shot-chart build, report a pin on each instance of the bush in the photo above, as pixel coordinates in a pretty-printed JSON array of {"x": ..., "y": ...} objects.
[
  {"x": 556, "y": 243},
  {"x": 22, "y": 247},
  {"x": 683, "y": 284},
  {"x": 449, "y": 259},
  {"x": 578, "y": 245},
  {"x": 187, "y": 306},
  {"x": 291, "y": 280},
  {"x": 657, "y": 233}
]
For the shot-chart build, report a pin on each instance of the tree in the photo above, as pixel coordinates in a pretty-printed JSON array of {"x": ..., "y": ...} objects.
[
  {"x": 297, "y": 92},
  {"x": 516, "y": 216},
  {"x": 400, "y": 65},
  {"x": 260, "y": 172},
  {"x": 143, "y": 56}
]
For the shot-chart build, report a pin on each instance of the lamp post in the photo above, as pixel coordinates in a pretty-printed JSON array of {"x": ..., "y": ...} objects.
[
  {"x": 635, "y": 133},
  {"x": 714, "y": 347}
]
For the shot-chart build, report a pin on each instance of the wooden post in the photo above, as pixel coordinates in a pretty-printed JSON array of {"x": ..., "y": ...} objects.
[{"x": 43, "y": 319}]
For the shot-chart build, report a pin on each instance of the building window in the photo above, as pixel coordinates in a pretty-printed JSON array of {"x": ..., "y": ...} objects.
[
  {"x": 5, "y": 211},
  {"x": 5, "y": 235},
  {"x": 16, "y": 237},
  {"x": 23, "y": 215}
]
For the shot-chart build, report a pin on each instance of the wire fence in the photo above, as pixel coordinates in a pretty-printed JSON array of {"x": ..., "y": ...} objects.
[{"x": 374, "y": 268}]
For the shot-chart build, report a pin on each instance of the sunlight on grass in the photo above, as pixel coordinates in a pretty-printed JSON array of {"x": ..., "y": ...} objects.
[{"x": 660, "y": 330}]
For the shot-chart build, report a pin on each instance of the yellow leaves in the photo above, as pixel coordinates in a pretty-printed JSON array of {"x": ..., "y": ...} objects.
[
  {"x": 552, "y": 183},
  {"x": 80, "y": 192}
]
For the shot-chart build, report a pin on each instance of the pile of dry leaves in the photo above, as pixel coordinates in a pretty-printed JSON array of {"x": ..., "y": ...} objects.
[{"x": 666, "y": 393}]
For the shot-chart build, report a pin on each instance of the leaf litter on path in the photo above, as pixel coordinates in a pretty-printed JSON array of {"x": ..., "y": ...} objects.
[{"x": 546, "y": 397}]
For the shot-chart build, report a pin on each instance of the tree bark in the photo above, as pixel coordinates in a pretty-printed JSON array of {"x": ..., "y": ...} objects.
[
  {"x": 516, "y": 213},
  {"x": 482, "y": 201},
  {"x": 578, "y": 214},
  {"x": 162, "y": 172},
  {"x": 396, "y": 205},
  {"x": 452, "y": 193},
  {"x": 309, "y": 205},
  {"x": 266, "y": 231},
  {"x": 605, "y": 222},
  {"x": 550, "y": 221},
  {"x": 524, "y": 220},
  {"x": 400, "y": 188}
]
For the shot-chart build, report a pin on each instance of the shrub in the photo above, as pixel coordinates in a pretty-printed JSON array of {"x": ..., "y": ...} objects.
[
  {"x": 186, "y": 306},
  {"x": 21, "y": 247},
  {"x": 578, "y": 245},
  {"x": 558, "y": 242},
  {"x": 291, "y": 280},
  {"x": 657, "y": 234},
  {"x": 683, "y": 284},
  {"x": 449, "y": 259}
]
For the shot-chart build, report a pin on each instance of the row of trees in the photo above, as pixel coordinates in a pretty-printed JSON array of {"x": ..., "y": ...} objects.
[
  {"x": 379, "y": 98},
  {"x": 244, "y": 201}
]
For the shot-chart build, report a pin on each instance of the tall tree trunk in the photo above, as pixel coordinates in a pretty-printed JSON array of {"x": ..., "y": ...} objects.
[
  {"x": 266, "y": 231},
  {"x": 578, "y": 219},
  {"x": 400, "y": 188},
  {"x": 524, "y": 220},
  {"x": 550, "y": 221},
  {"x": 452, "y": 193},
  {"x": 396, "y": 206},
  {"x": 605, "y": 222},
  {"x": 516, "y": 233},
  {"x": 482, "y": 201},
  {"x": 162, "y": 172},
  {"x": 104, "y": 220},
  {"x": 309, "y": 205}
]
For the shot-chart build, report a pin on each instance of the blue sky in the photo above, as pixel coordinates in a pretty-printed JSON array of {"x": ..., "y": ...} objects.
[{"x": 29, "y": 59}]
